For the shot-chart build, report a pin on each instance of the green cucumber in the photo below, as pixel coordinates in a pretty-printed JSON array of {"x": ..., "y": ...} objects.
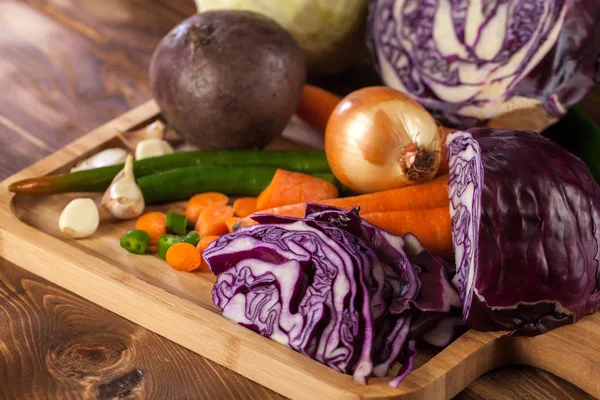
[
  {"x": 183, "y": 183},
  {"x": 98, "y": 179}
]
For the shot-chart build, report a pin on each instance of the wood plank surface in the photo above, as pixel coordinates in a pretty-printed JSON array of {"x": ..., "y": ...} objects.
[{"x": 67, "y": 66}]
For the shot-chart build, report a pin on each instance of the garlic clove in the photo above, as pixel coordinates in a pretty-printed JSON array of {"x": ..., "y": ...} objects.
[
  {"x": 123, "y": 199},
  {"x": 79, "y": 219},
  {"x": 104, "y": 158},
  {"x": 152, "y": 148},
  {"x": 155, "y": 130}
]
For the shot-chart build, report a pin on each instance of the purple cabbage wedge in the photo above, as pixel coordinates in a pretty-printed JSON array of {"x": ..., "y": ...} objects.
[
  {"x": 470, "y": 60},
  {"x": 525, "y": 217},
  {"x": 334, "y": 288}
]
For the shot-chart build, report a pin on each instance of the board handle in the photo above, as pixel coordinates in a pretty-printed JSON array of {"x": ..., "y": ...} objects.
[
  {"x": 571, "y": 352},
  {"x": 452, "y": 370}
]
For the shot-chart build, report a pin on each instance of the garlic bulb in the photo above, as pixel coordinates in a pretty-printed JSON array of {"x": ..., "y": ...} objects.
[
  {"x": 152, "y": 148},
  {"x": 104, "y": 158},
  {"x": 123, "y": 199},
  {"x": 79, "y": 219},
  {"x": 379, "y": 138}
]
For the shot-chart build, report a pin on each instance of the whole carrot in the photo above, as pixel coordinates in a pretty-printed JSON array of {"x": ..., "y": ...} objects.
[
  {"x": 315, "y": 106},
  {"x": 427, "y": 195},
  {"x": 432, "y": 226}
]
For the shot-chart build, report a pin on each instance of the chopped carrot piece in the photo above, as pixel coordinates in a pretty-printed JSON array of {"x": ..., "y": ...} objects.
[
  {"x": 155, "y": 223},
  {"x": 235, "y": 223},
  {"x": 432, "y": 226},
  {"x": 202, "y": 245},
  {"x": 200, "y": 201},
  {"x": 183, "y": 257},
  {"x": 244, "y": 206},
  {"x": 231, "y": 222},
  {"x": 294, "y": 187},
  {"x": 212, "y": 220},
  {"x": 244, "y": 222}
]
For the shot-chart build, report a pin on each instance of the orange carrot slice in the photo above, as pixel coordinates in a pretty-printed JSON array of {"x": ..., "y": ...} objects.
[
  {"x": 294, "y": 187},
  {"x": 212, "y": 220},
  {"x": 200, "y": 201},
  {"x": 231, "y": 222},
  {"x": 155, "y": 223},
  {"x": 244, "y": 206},
  {"x": 183, "y": 257}
]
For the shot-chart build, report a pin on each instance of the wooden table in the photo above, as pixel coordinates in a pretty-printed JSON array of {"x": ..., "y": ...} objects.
[{"x": 67, "y": 66}]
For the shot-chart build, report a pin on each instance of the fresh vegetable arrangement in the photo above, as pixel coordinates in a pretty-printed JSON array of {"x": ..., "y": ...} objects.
[{"x": 403, "y": 230}]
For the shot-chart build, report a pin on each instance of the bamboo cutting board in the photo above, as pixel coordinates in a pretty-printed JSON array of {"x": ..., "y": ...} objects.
[{"x": 178, "y": 305}]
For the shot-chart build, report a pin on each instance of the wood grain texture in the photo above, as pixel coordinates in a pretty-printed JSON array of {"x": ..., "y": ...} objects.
[
  {"x": 55, "y": 345},
  {"x": 66, "y": 66}
]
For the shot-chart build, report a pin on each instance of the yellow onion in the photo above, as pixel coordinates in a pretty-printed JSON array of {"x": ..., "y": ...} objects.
[{"x": 379, "y": 138}]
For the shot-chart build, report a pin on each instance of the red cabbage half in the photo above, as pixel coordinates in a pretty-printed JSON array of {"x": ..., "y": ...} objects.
[
  {"x": 335, "y": 288},
  {"x": 525, "y": 216},
  {"x": 476, "y": 60}
]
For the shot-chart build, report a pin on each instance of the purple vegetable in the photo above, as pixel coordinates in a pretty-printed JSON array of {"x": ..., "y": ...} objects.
[
  {"x": 470, "y": 60},
  {"x": 294, "y": 285},
  {"x": 335, "y": 288},
  {"x": 525, "y": 216}
]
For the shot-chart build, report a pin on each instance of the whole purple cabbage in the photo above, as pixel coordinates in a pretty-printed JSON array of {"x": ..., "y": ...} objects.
[
  {"x": 525, "y": 218},
  {"x": 335, "y": 288},
  {"x": 470, "y": 60}
]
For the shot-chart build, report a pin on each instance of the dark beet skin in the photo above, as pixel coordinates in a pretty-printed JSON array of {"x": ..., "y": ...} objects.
[
  {"x": 539, "y": 254},
  {"x": 227, "y": 79}
]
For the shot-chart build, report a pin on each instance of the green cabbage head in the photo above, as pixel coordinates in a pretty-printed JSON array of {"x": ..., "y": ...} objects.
[{"x": 330, "y": 32}]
